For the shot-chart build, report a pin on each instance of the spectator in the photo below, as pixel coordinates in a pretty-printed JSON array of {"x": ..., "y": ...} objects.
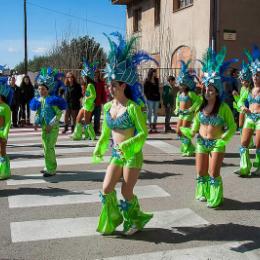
[
  {"x": 169, "y": 98},
  {"x": 73, "y": 95},
  {"x": 151, "y": 91},
  {"x": 16, "y": 102},
  {"x": 101, "y": 99},
  {"x": 27, "y": 93}
]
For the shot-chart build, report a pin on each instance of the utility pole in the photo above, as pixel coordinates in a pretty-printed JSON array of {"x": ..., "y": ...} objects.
[{"x": 25, "y": 40}]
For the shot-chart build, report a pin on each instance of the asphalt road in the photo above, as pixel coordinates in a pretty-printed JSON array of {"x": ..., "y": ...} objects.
[{"x": 55, "y": 218}]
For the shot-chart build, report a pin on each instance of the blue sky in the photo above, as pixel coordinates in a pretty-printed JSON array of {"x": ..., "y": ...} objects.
[{"x": 45, "y": 27}]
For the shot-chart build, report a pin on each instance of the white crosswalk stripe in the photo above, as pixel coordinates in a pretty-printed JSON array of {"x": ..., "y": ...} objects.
[
  {"x": 58, "y": 151},
  {"x": 163, "y": 146},
  {"x": 60, "y": 161},
  {"x": 76, "y": 197},
  {"x": 86, "y": 226},
  {"x": 35, "y": 138},
  {"x": 64, "y": 143}
]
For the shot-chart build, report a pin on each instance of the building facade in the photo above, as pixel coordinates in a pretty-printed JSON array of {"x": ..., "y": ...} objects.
[{"x": 171, "y": 30}]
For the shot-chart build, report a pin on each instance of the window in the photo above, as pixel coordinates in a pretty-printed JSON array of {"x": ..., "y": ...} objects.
[
  {"x": 180, "y": 4},
  {"x": 157, "y": 12},
  {"x": 137, "y": 20}
]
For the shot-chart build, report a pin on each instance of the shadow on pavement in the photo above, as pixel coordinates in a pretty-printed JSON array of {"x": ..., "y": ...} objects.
[
  {"x": 221, "y": 233},
  {"x": 230, "y": 204},
  {"x": 54, "y": 192}
]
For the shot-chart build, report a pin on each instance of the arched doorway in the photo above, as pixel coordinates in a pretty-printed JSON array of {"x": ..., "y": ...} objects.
[{"x": 181, "y": 53}]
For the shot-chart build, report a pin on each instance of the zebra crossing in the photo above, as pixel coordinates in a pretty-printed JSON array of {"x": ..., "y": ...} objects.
[{"x": 54, "y": 228}]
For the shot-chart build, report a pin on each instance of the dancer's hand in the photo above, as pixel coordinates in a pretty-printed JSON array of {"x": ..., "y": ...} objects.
[
  {"x": 235, "y": 93},
  {"x": 246, "y": 110}
]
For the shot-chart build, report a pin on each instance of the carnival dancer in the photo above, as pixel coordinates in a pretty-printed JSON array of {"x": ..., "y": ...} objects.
[
  {"x": 187, "y": 103},
  {"x": 245, "y": 77},
  {"x": 88, "y": 104},
  {"x": 124, "y": 120},
  {"x": 6, "y": 94},
  {"x": 215, "y": 126},
  {"x": 48, "y": 113},
  {"x": 252, "y": 120}
]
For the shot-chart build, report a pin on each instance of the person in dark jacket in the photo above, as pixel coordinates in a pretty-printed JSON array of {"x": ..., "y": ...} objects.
[
  {"x": 27, "y": 93},
  {"x": 152, "y": 93},
  {"x": 169, "y": 97},
  {"x": 16, "y": 101},
  {"x": 101, "y": 98},
  {"x": 73, "y": 95}
]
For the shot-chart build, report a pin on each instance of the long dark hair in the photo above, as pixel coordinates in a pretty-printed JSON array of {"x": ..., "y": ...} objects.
[
  {"x": 66, "y": 82},
  {"x": 23, "y": 82},
  {"x": 89, "y": 80},
  {"x": 216, "y": 105},
  {"x": 127, "y": 91},
  {"x": 150, "y": 75}
]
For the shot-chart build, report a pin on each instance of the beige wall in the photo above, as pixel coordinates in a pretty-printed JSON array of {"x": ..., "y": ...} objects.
[
  {"x": 244, "y": 17},
  {"x": 189, "y": 27},
  {"x": 149, "y": 35}
]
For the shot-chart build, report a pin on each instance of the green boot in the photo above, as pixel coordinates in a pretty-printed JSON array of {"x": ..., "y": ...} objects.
[
  {"x": 110, "y": 217},
  {"x": 91, "y": 132},
  {"x": 77, "y": 134},
  {"x": 5, "y": 171},
  {"x": 245, "y": 163},
  {"x": 86, "y": 132},
  {"x": 215, "y": 192},
  {"x": 134, "y": 218},
  {"x": 187, "y": 148},
  {"x": 256, "y": 163},
  {"x": 202, "y": 188}
]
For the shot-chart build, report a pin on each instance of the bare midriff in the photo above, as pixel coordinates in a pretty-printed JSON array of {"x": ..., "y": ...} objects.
[
  {"x": 210, "y": 131},
  {"x": 185, "y": 105},
  {"x": 120, "y": 135},
  {"x": 255, "y": 108}
]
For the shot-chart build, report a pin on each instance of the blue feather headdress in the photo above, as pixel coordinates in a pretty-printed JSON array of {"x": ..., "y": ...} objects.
[
  {"x": 88, "y": 69},
  {"x": 185, "y": 77},
  {"x": 49, "y": 78},
  {"x": 214, "y": 68},
  {"x": 245, "y": 73},
  {"x": 254, "y": 59},
  {"x": 5, "y": 89},
  {"x": 122, "y": 64}
]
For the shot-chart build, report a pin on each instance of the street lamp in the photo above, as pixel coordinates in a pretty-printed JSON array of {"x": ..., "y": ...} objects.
[{"x": 25, "y": 40}]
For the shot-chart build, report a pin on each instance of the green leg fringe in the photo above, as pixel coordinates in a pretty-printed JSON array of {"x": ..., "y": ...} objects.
[
  {"x": 91, "y": 132},
  {"x": 86, "y": 132},
  {"x": 202, "y": 188},
  {"x": 5, "y": 171},
  {"x": 134, "y": 218},
  {"x": 256, "y": 163},
  {"x": 110, "y": 217},
  {"x": 187, "y": 148},
  {"x": 245, "y": 163},
  {"x": 216, "y": 192},
  {"x": 77, "y": 134}
]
